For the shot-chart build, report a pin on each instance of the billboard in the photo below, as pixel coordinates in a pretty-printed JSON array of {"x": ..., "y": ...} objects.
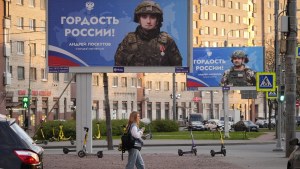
[
  {"x": 86, "y": 36},
  {"x": 210, "y": 65}
]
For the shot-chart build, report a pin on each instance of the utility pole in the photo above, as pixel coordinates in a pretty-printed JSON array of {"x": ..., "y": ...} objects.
[
  {"x": 278, "y": 81},
  {"x": 174, "y": 97},
  {"x": 290, "y": 74}
]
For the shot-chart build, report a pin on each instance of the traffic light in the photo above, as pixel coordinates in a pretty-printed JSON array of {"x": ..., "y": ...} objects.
[
  {"x": 25, "y": 102},
  {"x": 281, "y": 96}
]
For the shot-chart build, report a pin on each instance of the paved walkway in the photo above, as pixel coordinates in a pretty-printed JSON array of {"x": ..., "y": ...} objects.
[{"x": 267, "y": 138}]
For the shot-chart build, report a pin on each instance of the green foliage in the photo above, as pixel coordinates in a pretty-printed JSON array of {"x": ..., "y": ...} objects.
[
  {"x": 51, "y": 129},
  {"x": 240, "y": 126},
  {"x": 164, "y": 126},
  {"x": 69, "y": 128}
]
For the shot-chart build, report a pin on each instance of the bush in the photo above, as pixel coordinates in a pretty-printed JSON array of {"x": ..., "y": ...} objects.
[
  {"x": 239, "y": 126},
  {"x": 69, "y": 128},
  {"x": 164, "y": 126}
]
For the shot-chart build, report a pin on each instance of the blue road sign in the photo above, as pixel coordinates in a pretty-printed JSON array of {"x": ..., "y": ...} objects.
[{"x": 265, "y": 81}]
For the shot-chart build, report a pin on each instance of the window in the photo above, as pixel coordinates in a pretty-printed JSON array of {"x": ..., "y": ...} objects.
[
  {"x": 237, "y": 33},
  {"x": 269, "y": 17},
  {"x": 195, "y": 40},
  {"x": 33, "y": 49},
  {"x": 157, "y": 85},
  {"x": 215, "y": 16},
  {"x": 20, "y": 48},
  {"x": 68, "y": 77},
  {"x": 214, "y": 2},
  {"x": 43, "y": 4},
  {"x": 32, "y": 3},
  {"x": 158, "y": 111},
  {"x": 222, "y": 17},
  {"x": 149, "y": 85},
  {"x": 43, "y": 50},
  {"x": 167, "y": 110},
  {"x": 237, "y": 5},
  {"x": 124, "y": 82},
  {"x": 176, "y": 86},
  {"x": 230, "y": 18},
  {"x": 43, "y": 75},
  {"x": 206, "y": 30},
  {"x": 237, "y": 19},
  {"x": 32, "y": 25},
  {"x": 115, "y": 81},
  {"x": 139, "y": 83},
  {"x": 195, "y": 9},
  {"x": 206, "y": 15},
  {"x": 222, "y": 3},
  {"x": 21, "y": 73},
  {"x": 133, "y": 82},
  {"x": 195, "y": 26},
  {"x": 216, "y": 31},
  {"x": 223, "y": 32},
  {"x": 20, "y": 23},
  {"x": 20, "y": 2},
  {"x": 11, "y": 71},
  {"x": 95, "y": 80},
  {"x": 182, "y": 86},
  {"x": 124, "y": 109},
  {"x": 33, "y": 73},
  {"x": 56, "y": 77},
  {"x": 166, "y": 86},
  {"x": 230, "y": 4}
]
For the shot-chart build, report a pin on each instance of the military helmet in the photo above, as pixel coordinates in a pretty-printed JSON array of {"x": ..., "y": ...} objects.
[
  {"x": 240, "y": 54},
  {"x": 148, "y": 7}
]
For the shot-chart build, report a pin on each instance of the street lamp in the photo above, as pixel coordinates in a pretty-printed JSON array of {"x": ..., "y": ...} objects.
[
  {"x": 226, "y": 41},
  {"x": 29, "y": 89}
]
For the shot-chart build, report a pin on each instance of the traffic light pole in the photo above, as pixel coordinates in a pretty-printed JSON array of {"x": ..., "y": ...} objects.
[{"x": 290, "y": 74}]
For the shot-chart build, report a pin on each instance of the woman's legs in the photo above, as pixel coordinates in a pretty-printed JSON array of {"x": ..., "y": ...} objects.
[{"x": 135, "y": 158}]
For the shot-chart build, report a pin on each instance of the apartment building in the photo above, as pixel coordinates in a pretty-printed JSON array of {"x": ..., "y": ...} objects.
[
  {"x": 216, "y": 23},
  {"x": 2, "y": 59}
]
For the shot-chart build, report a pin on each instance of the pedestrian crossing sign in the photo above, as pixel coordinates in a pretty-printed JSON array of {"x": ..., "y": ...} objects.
[
  {"x": 265, "y": 81},
  {"x": 272, "y": 95}
]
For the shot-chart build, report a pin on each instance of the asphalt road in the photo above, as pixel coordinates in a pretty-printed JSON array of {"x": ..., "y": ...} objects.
[{"x": 259, "y": 156}]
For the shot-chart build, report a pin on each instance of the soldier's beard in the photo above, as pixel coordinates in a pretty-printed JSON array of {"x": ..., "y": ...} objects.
[{"x": 237, "y": 64}]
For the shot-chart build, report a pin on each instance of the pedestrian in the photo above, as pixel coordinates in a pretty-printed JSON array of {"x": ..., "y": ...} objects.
[
  {"x": 148, "y": 46},
  {"x": 239, "y": 74},
  {"x": 134, "y": 155}
]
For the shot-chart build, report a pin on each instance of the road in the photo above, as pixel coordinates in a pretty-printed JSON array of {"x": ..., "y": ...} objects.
[{"x": 259, "y": 156}]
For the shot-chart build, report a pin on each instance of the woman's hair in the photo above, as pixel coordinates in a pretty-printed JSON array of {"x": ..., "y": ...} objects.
[{"x": 133, "y": 119}]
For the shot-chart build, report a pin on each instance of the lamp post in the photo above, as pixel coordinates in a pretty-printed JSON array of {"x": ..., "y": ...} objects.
[
  {"x": 226, "y": 41},
  {"x": 29, "y": 89}
]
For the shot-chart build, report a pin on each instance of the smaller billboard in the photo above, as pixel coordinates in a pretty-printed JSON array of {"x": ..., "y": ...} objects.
[{"x": 225, "y": 66}]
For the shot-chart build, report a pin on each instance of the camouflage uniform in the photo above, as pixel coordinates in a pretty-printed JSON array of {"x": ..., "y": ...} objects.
[
  {"x": 148, "y": 48},
  {"x": 245, "y": 77}
]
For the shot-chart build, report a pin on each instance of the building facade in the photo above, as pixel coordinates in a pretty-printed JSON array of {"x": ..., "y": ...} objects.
[{"x": 216, "y": 23}]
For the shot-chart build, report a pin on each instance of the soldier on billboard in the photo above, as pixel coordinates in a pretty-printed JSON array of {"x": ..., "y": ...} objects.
[
  {"x": 148, "y": 46},
  {"x": 239, "y": 74}
]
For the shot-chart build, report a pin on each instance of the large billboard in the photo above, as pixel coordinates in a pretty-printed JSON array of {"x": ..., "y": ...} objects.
[
  {"x": 110, "y": 36},
  {"x": 221, "y": 66}
]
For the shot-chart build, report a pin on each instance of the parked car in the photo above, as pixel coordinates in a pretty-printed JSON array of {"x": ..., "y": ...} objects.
[
  {"x": 196, "y": 125},
  {"x": 294, "y": 160},
  {"x": 245, "y": 125},
  {"x": 212, "y": 124},
  {"x": 250, "y": 125},
  {"x": 18, "y": 150}
]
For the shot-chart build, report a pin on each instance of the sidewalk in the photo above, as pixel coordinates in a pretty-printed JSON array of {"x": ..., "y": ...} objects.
[{"x": 267, "y": 138}]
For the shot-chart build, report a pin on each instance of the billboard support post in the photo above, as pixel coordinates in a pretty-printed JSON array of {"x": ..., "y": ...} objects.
[
  {"x": 225, "y": 103},
  {"x": 174, "y": 96}
]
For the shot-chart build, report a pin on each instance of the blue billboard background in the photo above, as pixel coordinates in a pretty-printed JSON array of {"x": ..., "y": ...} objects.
[
  {"x": 209, "y": 64},
  {"x": 76, "y": 38}
]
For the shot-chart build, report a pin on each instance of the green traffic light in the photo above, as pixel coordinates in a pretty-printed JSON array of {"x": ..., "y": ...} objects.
[
  {"x": 25, "y": 102},
  {"x": 281, "y": 98}
]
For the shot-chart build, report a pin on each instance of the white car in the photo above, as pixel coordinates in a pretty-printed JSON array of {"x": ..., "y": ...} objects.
[{"x": 212, "y": 124}]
